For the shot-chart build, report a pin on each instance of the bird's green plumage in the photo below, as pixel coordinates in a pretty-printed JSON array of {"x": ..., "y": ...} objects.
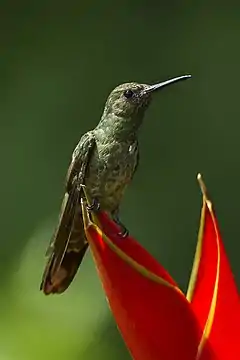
[{"x": 105, "y": 160}]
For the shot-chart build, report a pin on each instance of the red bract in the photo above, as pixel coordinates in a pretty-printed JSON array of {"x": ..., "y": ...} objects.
[
  {"x": 212, "y": 290},
  {"x": 154, "y": 317}
]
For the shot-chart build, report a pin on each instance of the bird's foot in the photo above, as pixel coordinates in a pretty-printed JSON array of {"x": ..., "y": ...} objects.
[
  {"x": 95, "y": 206},
  {"x": 124, "y": 231}
]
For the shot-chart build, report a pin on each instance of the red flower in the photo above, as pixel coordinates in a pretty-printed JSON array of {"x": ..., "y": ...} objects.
[
  {"x": 212, "y": 290},
  {"x": 156, "y": 320}
]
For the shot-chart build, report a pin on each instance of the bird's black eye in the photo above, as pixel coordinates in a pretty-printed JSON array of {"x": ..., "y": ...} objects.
[{"x": 128, "y": 93}]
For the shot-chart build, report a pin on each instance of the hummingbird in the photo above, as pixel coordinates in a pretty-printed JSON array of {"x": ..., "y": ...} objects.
[{"x": 105, "y": 161}]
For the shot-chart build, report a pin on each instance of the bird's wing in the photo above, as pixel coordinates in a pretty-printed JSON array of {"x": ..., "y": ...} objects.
[{"x": 68, "y": 219}]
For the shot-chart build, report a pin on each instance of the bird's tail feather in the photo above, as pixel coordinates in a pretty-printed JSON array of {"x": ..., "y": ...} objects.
[{"x": 66, "y": 250}]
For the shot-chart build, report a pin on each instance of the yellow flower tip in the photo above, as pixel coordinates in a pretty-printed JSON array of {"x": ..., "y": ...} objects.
[
  {"x": 204, "y": 191},
  {"x": 85, "y": 214},
  {"x": 86, "y": 194},
  {"x": 86, "y": 201},
  {"x": 202, "y": 185}
]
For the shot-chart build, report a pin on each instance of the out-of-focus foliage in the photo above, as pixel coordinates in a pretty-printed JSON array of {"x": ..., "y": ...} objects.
[{"x": 57, "y": 66}]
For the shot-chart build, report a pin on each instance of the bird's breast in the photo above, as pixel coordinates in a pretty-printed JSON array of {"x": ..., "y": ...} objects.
[{"x": 110, "y": 170}]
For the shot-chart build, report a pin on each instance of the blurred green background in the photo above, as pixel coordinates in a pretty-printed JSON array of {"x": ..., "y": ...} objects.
[{"x": 58, "y": 63}]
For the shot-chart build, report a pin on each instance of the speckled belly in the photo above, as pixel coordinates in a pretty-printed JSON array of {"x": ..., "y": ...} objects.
[{"x": 109, "y": 172}]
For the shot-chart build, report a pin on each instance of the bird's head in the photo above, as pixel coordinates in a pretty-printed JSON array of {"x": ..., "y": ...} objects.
[{"x": 127, "y": 103}]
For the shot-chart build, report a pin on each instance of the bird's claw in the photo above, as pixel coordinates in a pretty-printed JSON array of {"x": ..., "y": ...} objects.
[
  {"x": 124, "y": 233},
  {"x": 95, "y": 206}
]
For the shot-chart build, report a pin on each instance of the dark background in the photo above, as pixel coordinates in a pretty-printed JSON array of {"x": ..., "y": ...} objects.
[{"x": 58, "y": 63}]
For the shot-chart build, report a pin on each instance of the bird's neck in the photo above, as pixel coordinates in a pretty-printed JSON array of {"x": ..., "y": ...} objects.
[{"x": 117, "y": 128}]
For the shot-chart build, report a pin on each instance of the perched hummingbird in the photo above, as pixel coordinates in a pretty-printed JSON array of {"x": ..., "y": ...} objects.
[{"x": 105, "y": 160}]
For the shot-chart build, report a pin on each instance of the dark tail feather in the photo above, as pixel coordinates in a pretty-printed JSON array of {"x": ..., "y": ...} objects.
[
  {"x": 66, "y": 251},
  {"x": 60, "y": 281}
]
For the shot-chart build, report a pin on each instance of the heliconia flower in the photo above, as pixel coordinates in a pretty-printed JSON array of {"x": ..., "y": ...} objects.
[
  {"x": 212, "y": 290},
  {"x": 156, "y": 320}
]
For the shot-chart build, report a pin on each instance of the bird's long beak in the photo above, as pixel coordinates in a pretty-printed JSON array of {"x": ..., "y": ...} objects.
[{"x": 160, "y": 85}]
